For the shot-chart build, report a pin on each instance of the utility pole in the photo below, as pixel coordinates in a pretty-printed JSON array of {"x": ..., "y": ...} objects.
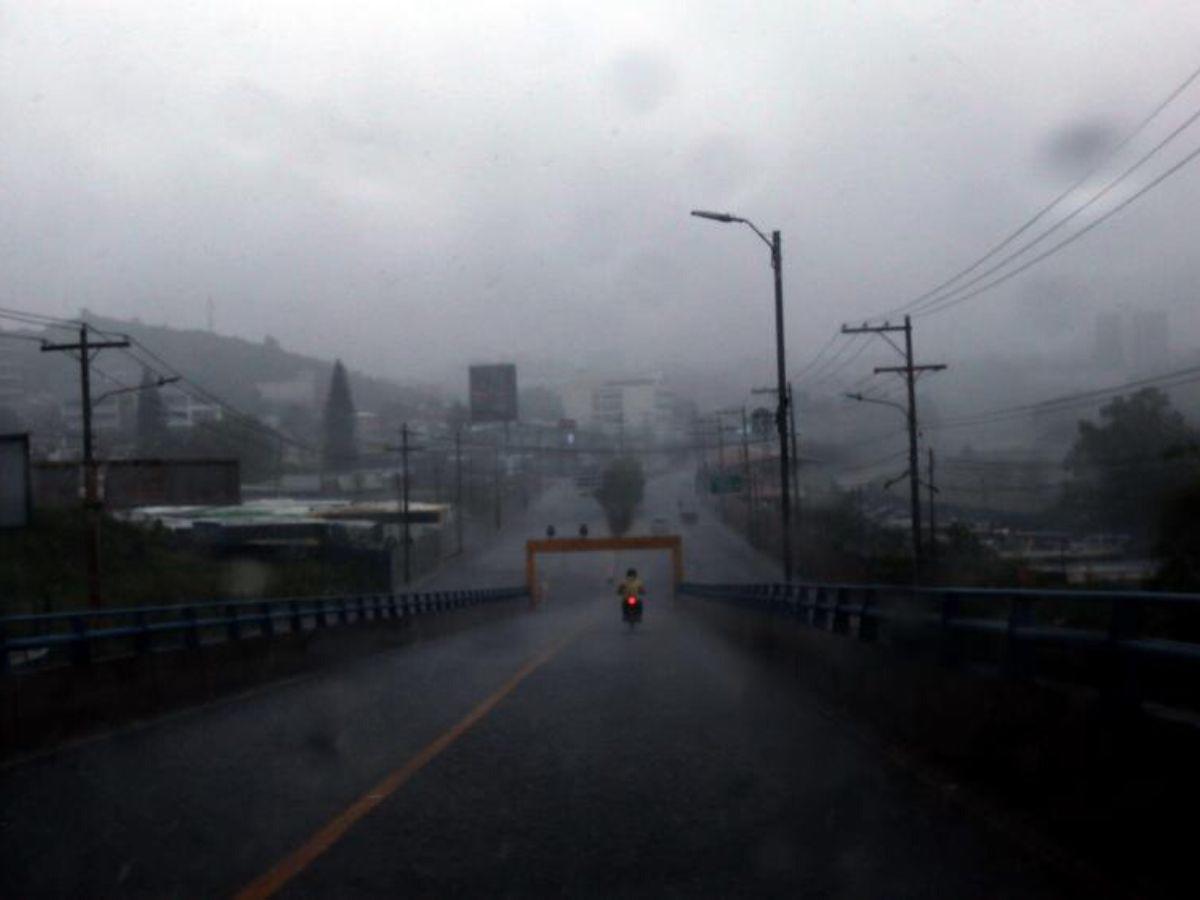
[
  {"x": 911, "y": 372},
  {"x": 932, "y": 509},
  {"x": 91, "y": 502},
  {"x": 775, "y": 242},
  {"x": 458, "y": 488},
  {"x": 403, "y": 488},
  {"x": 781, "y": 414},
  {"x": 795, "y": 446}
]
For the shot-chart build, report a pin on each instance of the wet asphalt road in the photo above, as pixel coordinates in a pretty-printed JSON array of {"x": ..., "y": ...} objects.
[{"x": 662, "y": 762}]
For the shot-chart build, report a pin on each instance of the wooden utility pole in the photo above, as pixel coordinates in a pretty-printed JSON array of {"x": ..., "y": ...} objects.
[
  {"x": 91, "y": 502},
  {"x": 403, "y": 489},
  {"x": 911, "y": 372}
]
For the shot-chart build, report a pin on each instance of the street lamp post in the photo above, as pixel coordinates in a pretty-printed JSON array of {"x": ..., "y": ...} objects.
[{"x": 781, "y": 410}]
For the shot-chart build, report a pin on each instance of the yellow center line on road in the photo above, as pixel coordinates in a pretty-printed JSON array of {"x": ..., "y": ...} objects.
[{"x": 275, "y": 878}]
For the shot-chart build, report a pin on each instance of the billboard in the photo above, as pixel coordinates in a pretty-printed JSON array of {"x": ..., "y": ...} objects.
[
  {"x": 494, "y": 393},
  {"x": 15, "y": 496}
]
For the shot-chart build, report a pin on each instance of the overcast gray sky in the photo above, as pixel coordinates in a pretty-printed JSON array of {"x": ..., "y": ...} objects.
[{"x": 412, "y": 186}]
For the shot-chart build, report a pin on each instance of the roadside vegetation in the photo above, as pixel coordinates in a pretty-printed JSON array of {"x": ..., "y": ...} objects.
[
  {"x": 622, "y": 485},
  {"x": 42, "y": 569}
]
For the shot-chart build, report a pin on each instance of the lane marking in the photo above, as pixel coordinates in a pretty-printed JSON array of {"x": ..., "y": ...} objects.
[{"x": 275, "y": 878}]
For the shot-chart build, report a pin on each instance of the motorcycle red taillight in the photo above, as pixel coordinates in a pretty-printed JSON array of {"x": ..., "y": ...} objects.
[{"x": 631, "y": 601}]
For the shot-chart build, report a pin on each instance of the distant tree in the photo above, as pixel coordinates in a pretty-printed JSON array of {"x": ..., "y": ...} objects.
[
  {"x": 152, "y": 436},
  {"x": 1124, "y": 470},
  {"x": 622, "y": 484},
  {"x": 341, "y": 445}
]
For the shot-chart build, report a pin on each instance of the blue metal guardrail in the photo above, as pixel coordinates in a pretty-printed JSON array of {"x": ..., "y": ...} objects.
[
  {"x": 1133, "y": 644},
  {"x": 81, "y": 636}
]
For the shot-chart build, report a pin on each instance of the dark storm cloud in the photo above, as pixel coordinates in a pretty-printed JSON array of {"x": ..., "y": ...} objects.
[
  {"x": 408, "y": 186},
  {"x": 1078, "y": 147}
]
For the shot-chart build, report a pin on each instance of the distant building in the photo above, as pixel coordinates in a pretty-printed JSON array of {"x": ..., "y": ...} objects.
[{"x": 645, "y": 407}]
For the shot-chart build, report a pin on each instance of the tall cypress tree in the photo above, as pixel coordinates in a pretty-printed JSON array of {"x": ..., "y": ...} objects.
[
  {"x": 151, "y": 418},
  {"x": 341, "y": 444}
]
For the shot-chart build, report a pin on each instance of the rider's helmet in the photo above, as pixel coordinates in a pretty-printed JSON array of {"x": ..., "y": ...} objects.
[{"x": 632, "y": 573}]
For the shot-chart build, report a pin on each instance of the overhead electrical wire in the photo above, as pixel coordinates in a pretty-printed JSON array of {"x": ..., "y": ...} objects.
[
  {"x": 953, "y": 298},
  {"x": 820, "y": 354},
  {"x": 1176, "y": 378},
  {"x": 1041, "y": 213}
]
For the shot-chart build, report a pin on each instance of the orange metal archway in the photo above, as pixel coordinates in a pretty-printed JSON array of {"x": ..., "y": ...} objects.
[{"x": 672, "y": 542}]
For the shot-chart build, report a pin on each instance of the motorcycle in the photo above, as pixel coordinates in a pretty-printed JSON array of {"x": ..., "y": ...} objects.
[{"x": 631, "y": 610}]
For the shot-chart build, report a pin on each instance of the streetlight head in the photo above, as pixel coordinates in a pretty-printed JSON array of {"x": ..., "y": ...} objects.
[{"x": 715, "y": 216}]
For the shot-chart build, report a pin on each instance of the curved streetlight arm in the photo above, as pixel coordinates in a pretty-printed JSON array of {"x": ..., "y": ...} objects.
[
  {"x": 862, "y": 398},
  {"x": 729, "y": 217}
]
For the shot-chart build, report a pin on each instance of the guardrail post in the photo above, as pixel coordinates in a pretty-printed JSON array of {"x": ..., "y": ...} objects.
[
  {"x": 266, "y": 622},
  {"x": 841, "y": 615},
  {"x": 233, "y": 624},
  {"x": 322, "y": 613},
  {"x": 868, "y": 617},
  {"x": 343, "y": 612},
  {"x": 297, "y": 619},
  {"x": 191, "y": 636},
  {"x": 1018, "y": 658},
  {"x": 81, "y": 645}
]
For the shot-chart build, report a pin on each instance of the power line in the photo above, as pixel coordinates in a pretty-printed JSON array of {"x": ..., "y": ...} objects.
[
  {"x": 1154, "y": 113},
  {"x": 937, "y": 303},
  {"x": 831, "y": 364},
  {"x": 846, "y": 363},
  {"x": 1070, "y": 240},
  {"x": 1176, "y": 378},
  {"x": 816, "y": 358}
]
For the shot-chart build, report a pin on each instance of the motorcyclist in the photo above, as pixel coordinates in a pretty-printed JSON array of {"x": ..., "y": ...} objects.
[{"x": 631, "y": 586}]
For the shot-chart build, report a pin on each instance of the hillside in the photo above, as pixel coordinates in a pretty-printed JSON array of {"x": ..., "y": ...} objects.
[{"x": 230, "y": 367}]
